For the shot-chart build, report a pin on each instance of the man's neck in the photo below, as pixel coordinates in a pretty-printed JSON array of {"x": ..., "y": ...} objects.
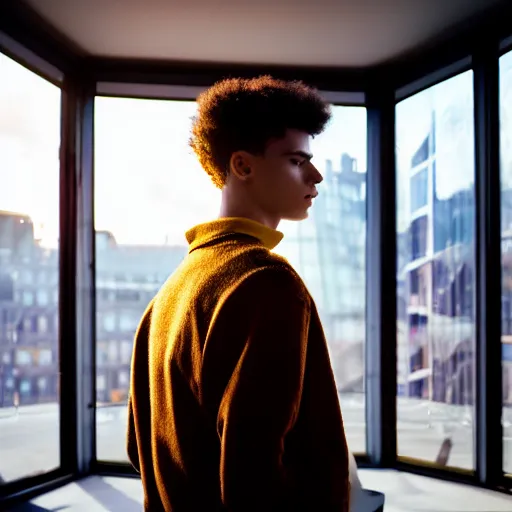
[{"x": 229, "y": 209}]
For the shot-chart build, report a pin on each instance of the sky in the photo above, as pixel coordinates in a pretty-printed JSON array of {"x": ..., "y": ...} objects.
[
  {"x": 29, "y": 146},
  {"x": 149, "y": 188}
]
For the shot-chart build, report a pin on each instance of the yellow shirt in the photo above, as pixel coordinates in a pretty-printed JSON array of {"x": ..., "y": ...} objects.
[{"x": 233, "y": 404}]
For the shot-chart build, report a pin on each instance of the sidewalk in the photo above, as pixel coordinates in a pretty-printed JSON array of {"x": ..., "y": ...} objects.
[{"x": 10, "y": 412}]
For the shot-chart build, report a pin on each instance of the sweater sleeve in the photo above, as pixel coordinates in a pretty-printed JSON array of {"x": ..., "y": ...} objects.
[
  {"x": 138, "y": 412},
  {"x": 262, "y": 398}
]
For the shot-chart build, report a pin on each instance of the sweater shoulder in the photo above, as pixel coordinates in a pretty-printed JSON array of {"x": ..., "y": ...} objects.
[
  {"x": 268, "y": 272},
  {"x": 260, "y": 257}
]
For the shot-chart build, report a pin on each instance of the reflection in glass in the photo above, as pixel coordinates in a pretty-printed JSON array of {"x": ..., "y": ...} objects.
[
  {"x": 29, "y": 223},
  {"x": 140, "y": 240},
  {"x": 435, "y": 277},
  {"x": 506, "y": 244}
]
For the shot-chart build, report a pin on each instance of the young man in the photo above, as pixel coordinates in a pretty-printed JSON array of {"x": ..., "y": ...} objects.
[{"x": 233, "y": 405}]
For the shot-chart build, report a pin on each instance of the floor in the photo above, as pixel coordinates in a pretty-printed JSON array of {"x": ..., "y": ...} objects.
[{"x": 404, "y": 493}]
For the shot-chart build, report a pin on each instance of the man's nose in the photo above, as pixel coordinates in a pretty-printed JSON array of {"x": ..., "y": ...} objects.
[{"x": 315, "y": 175}]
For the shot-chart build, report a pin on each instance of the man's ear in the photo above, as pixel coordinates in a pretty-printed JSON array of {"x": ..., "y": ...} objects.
[{"x": 240, "y": 165}]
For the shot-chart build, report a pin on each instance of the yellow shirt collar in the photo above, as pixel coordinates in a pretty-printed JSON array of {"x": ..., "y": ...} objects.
[{"x": 207, "y": 232}]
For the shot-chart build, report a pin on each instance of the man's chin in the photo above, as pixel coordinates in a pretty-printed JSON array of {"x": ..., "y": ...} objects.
[{"x": 297, "y": 216}]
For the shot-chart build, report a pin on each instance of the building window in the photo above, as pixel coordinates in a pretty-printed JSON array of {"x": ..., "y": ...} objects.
[
  {"x": 42, "y": 384},
  {"x": 419, "y": 190},
  {"x": 101, "y": 353},
  {"x": 422, "y": 154},
  {"x": 419, "y": 238},
  {"x": 45, "y": 357},
  {"x": 127, "y": 295},
  {"x": 128, "y": 321},
  {"x": 123, "y": 379},
  {"x": 126, "y": 351},
  {"x": 113, "y": 352},
  {"x": 101, "y": 384},
  {"x": 27, "y": 277},
  {"x": 42, "y": 324},
  {"x": 25, "y": 387},
  {"x": 42, "y": 297},
  {"x": 42, "y": 277},
  {"x": 27, "y": 324},
  {"x": 109, "y": 322},
  {"x": 28, "y": 298},
  {"x": 23, "y": 357}
]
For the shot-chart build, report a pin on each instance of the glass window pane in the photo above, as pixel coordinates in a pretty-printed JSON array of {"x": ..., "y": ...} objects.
[
  {"x": 328, "y": 251},
  {"x": 435, "y": 279},
  {"x": 506, "y": 244},
  {"x": 29, "y": 223},
  {"x": 144, "y": 145}
]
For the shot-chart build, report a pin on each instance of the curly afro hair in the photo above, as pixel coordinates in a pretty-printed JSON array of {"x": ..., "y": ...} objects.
[{"x": 244, "y": 114}]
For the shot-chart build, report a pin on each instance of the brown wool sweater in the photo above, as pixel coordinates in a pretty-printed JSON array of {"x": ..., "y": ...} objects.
[{"x": 233, "y": 405}]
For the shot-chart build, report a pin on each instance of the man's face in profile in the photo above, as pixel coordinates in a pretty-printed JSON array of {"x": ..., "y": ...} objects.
[{"x": 284, "y": 179}]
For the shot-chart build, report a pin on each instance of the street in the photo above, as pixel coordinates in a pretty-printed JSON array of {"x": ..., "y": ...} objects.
[{"x": 29, "y": 439}]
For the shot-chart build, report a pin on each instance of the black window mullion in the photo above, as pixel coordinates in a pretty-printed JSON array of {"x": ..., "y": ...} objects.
[
  {"x": 488, "y": 410},
  {"x": 381, "y": 278},
  {"x": 76, "y": 302},
  {"x": 67, "y": 282}
]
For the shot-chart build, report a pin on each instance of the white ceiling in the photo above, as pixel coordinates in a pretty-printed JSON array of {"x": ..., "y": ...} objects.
[{"x": 296, "y": 32}]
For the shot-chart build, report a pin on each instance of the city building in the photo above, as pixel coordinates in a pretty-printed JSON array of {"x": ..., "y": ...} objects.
[
  {"x": 128, "y": 276},
  {"x": 28, "y": 314}
]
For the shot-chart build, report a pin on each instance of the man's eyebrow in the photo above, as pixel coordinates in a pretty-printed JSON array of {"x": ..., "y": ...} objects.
[{"x": 303, "y": 154}]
